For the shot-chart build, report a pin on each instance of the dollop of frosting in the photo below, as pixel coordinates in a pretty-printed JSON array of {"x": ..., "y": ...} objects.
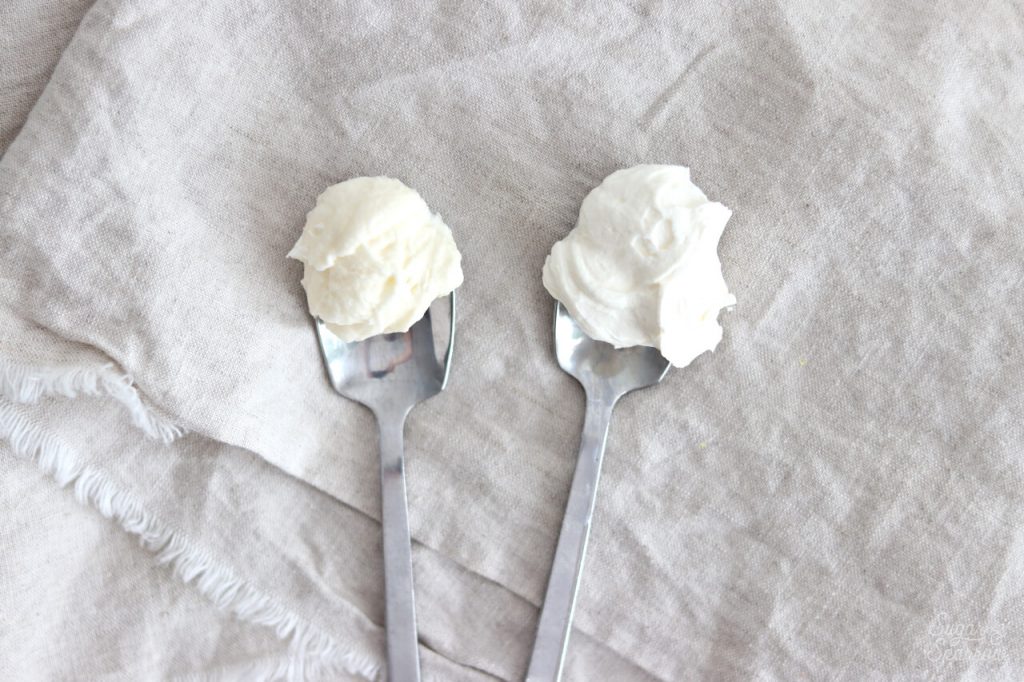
[
  {"x": 641, "y": 266},
  {"x": 375, "y": 257}
]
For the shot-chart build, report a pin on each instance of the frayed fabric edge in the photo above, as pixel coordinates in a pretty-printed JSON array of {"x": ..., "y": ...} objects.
[
  {"x": 27, "y": 384},
  {"x": 311, "y": 653}
]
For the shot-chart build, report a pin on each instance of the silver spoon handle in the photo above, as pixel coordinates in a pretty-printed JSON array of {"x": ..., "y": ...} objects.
[
  {"x": 560, "y": 599},
  {"x": 403, "y": 652}
]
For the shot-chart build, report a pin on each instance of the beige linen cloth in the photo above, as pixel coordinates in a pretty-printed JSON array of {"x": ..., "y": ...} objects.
[{"x": 836, "y": 492}]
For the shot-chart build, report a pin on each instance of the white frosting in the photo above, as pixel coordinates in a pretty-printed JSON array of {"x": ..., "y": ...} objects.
[
  {"x": 641, "y": 266},
  {"x": 375, "y": 257}
]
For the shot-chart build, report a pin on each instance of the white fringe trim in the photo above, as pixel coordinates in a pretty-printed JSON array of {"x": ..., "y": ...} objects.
[
  {"x": 311, "y": 653},
  {"x": 26, "y": 384}
]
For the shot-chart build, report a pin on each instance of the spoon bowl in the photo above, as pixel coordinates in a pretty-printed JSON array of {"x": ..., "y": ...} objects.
[
  {"x": 389, "y": 371},
  {"x": 594, "y": 362}
]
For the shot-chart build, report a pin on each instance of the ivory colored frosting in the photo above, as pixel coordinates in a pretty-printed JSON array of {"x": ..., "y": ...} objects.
[
  {"x": 375, "y": 257},
  {"x": 641, "y": 266}
]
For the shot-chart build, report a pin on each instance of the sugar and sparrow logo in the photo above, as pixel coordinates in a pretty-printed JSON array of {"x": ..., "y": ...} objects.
[{"x": 952, "y": 642}]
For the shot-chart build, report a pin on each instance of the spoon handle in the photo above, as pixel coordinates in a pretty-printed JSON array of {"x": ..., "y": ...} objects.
[
  {"x": 400, "y": 609},
  {"x": 560, "y": 600}
]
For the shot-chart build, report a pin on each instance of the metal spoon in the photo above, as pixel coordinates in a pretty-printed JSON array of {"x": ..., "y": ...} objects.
[
  {"x": 390, "y": 374},
  {"x": 606, "y": 374}
]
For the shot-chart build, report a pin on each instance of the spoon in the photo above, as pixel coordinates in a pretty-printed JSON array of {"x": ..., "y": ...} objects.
[
  {"x": 390, "y": 374},
  {"x": 606, "y": 374}
]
